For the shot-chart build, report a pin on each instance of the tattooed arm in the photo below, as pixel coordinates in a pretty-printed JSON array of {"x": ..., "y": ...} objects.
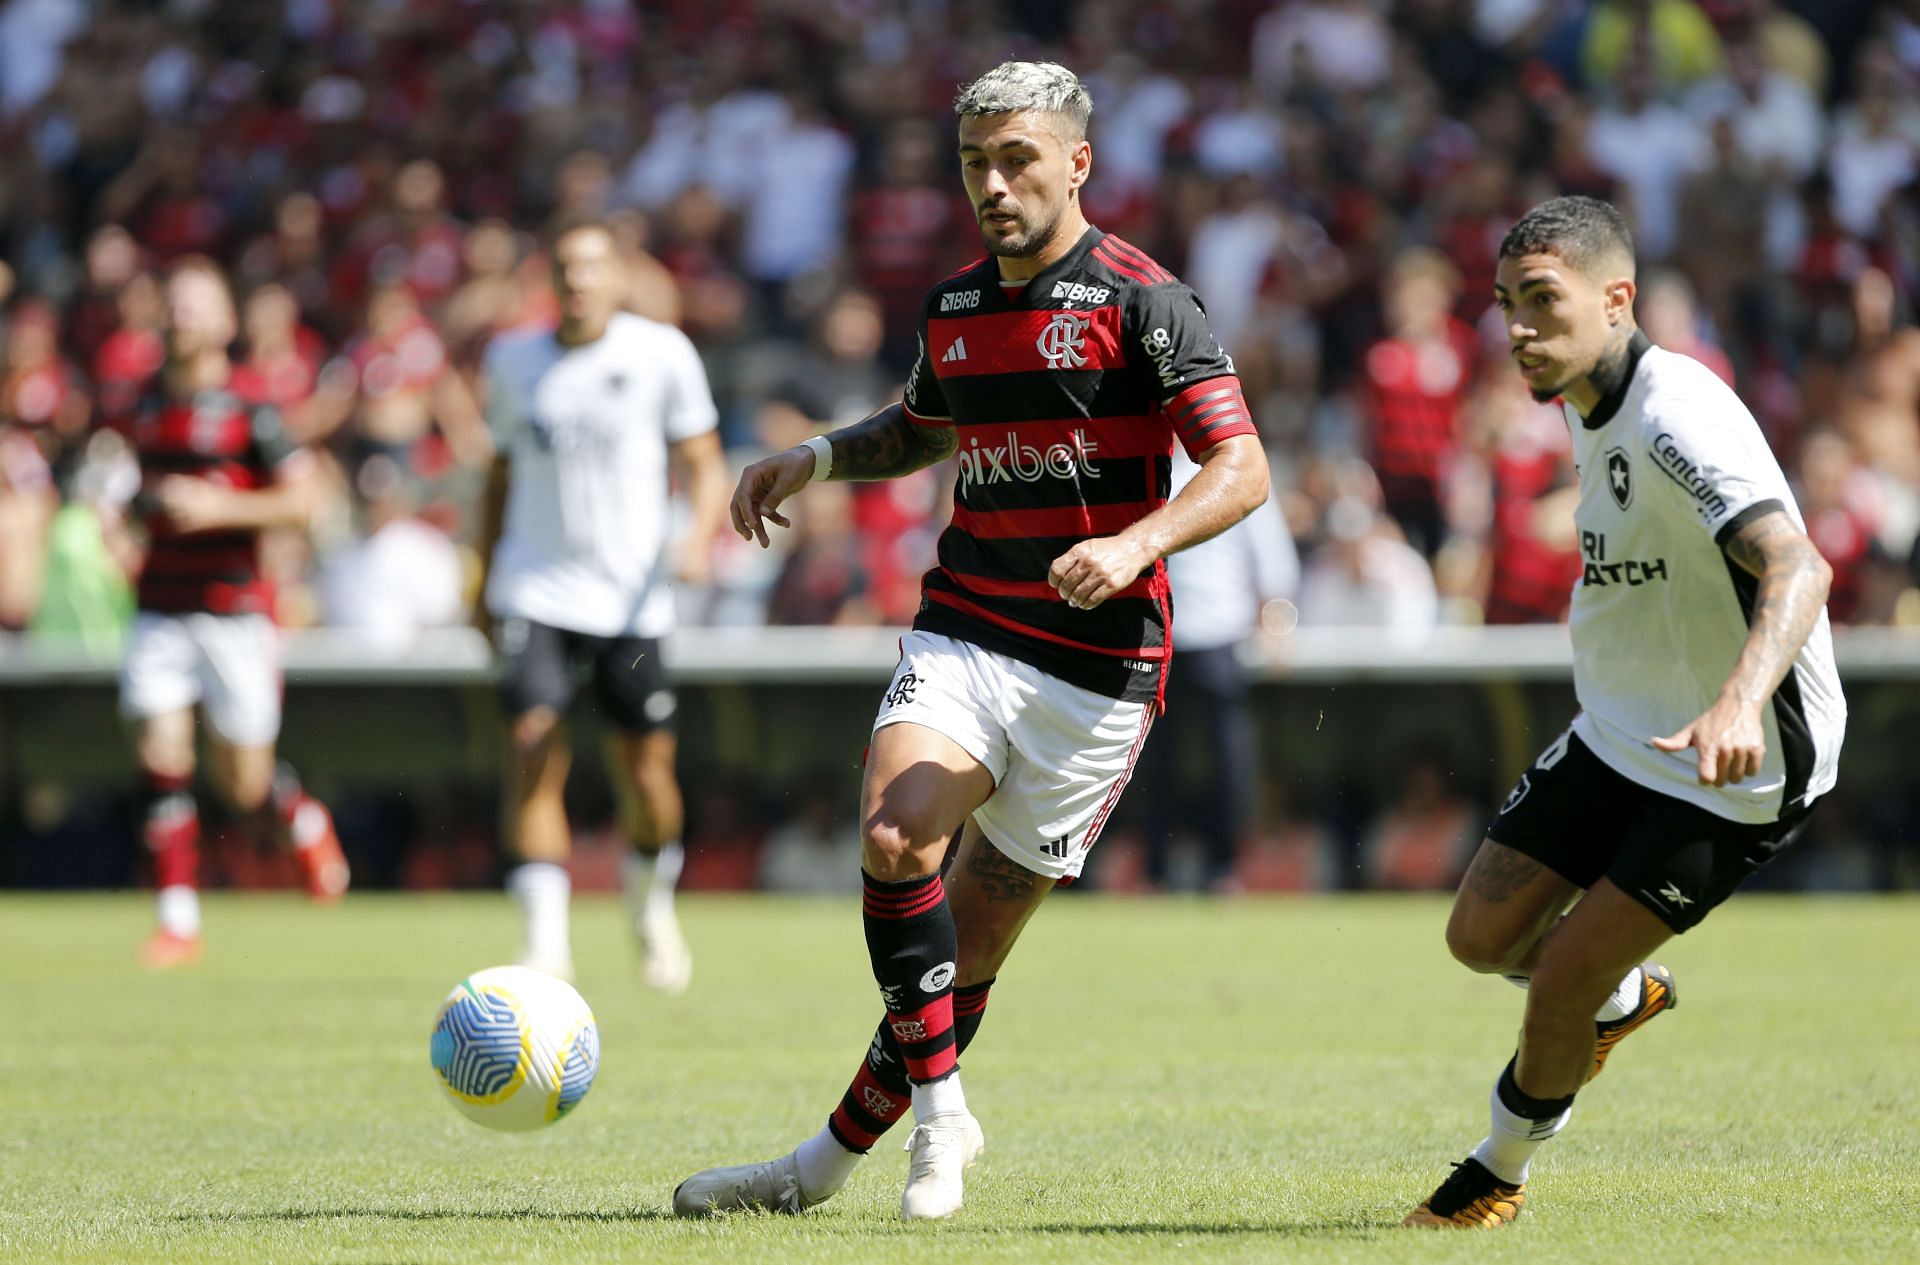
[
  {"x": 1794, "y": 579},
  {"x": 888, "y": 445},
  {"x": 884, "y": 446}
]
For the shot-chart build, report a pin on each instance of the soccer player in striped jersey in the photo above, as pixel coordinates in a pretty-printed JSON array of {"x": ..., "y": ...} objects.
[
  {"x": 216, "y": 470},
  {"x": 1711, "y": 715},
  {"x": 1059, "y": 372}
]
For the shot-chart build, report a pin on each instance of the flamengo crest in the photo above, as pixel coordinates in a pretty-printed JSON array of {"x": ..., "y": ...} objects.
[{"x": 1062, "y": 341}]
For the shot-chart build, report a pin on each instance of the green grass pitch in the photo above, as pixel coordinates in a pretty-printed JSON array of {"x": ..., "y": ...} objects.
[{"x": 1259, "y": 1080}]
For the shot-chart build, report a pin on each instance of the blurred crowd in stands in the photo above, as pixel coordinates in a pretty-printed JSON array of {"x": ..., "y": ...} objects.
[{"x": 1332, "y": 176}]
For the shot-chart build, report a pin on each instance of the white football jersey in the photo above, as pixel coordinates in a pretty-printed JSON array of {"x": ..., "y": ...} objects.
[
  {"x": 586, "y": 430},
  {"x": 1669, "y": 469}
]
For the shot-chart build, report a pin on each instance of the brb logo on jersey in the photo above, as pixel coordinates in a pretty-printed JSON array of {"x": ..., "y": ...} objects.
[
  {"x": 960, "y": 301},
  {"x": 981, "y": 464},
  {"x": 1077, "y": 292},
  {"x": 1063, "y": 342}
]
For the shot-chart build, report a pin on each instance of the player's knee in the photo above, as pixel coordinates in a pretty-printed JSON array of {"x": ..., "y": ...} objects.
[
  {"x": 165, "y": 747},
  {"x": 1481, "y": 949},
  {"x": 892, "y": 849},
  {"x": 532, "y": 730},
  {"x": 168, "y": 761}
]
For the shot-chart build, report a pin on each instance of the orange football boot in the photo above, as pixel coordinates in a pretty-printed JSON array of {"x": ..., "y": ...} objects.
[
  {"x": 1471, "y": 1199},
  {"x": 1657, "y": 994}
]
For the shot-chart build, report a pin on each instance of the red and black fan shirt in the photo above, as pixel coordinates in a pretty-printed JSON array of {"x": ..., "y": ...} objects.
[
  {"x": 1068, "y": 395},
  {"x": 223, "y": 437}
]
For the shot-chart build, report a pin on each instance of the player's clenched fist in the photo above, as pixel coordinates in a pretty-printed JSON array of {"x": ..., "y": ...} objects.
[
  {"x": 1094, "y": 570},
  {"x": 763, "y": 486}
]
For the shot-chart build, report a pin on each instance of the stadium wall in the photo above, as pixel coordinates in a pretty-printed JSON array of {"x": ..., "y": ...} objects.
[{"x": 407, "y": 744}]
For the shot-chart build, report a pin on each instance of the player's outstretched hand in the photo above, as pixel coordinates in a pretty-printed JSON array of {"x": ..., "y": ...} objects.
[
  {"x": 1730, "y": 739},
  {"x": 1094, "y": 570},
  {"x": 763, "y": 486}
]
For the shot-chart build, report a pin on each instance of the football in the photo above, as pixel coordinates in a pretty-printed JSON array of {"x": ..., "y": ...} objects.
[{"x": 516, "y": 1049}]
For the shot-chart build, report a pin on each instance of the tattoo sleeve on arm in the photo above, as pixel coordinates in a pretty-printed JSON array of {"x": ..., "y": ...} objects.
[
  {"x": 888, "y": 445},
  {"x": 999, "y": 877},
  {"x": 1794, "y": 579}
]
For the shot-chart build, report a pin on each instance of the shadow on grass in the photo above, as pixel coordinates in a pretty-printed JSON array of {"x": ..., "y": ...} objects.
[
  {"x": 425, "y": 1214},
  {"x": 1348, "y": 1228}
]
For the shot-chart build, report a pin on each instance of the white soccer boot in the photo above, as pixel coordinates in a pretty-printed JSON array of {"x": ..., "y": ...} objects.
[
  {"x": 667, "y": 962},
  {"x": 769, "y": 1186},
  {"x": 941, "y": 1150}
]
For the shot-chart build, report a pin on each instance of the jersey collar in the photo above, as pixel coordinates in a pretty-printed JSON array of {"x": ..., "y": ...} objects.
[
  {"x": 1039, "y": 283},
  {"x": 1610, "y": 402}
]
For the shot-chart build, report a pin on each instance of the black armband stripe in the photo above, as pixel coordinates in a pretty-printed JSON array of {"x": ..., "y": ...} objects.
[{"x": 1757, "y": 510}]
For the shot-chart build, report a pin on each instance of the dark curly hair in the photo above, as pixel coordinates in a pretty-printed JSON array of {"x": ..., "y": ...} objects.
[{"x": 1582, "y": 231}]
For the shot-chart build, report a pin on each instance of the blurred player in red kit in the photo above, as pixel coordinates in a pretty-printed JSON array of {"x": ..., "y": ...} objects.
[{"x": 216, "y": 470}]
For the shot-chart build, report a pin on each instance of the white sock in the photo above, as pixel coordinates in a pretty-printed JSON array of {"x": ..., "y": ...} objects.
[
  {"x": 180, "y": 910},
  {"x": 1625, "y": 999},
  {"x": 648, "y": 881},
  {"x": 542, "y": 890},
  {"x": 824, "y": 1165},
  {"x": 1508, "y": 1149},
  {"x": 939, "y": 1098}
]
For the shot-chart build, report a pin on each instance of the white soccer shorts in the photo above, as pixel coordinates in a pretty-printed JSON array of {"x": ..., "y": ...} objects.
[
  {"x": 230, "y": 664},
  {"x": 1059, "y": 755}
]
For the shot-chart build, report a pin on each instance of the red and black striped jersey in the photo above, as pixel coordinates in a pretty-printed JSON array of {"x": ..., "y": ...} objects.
[
  {"x": 227, "y": 439},
  {"x": 1414, "y": 393},
  {"x": 1531, "y": 582},
  {"x": 1067, "y": 394}
]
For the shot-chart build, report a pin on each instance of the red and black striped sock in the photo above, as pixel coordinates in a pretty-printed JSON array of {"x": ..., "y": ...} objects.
[
  {"x": 170, "y": 827},
  {"x": 969, "y": 1008},
  {"x": 881, "y": 1093},
  {"x": 912, "y": 944}
]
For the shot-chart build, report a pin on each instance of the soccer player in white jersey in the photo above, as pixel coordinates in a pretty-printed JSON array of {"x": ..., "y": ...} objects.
[
  {"x": 589, "y": 420},
  {"x": 1711, "y": 715}
]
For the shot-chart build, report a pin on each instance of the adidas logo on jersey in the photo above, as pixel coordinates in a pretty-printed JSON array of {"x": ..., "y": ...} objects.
[{"x": 956, "y": 352}]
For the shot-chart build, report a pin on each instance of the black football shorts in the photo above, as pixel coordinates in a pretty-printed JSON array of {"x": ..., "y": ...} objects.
[
  {"x": 1580, "y": 819},
  {"x": 541, "y": 666}
]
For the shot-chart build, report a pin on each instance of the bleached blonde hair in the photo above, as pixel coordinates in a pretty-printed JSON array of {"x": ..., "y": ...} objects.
[{"x": 1043, "y": 87}]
